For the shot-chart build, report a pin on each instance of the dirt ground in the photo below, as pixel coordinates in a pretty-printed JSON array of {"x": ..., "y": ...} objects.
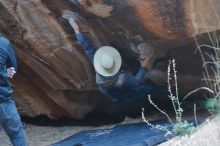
[
  {"x": 47, "y": 135},
  {"x": 207, "y": 134},
  {"x": 43, "y": 135}
]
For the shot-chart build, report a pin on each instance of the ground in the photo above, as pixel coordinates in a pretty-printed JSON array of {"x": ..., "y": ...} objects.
[
  {"x": 208, "y": 134},
  {"x": 46, "y": 135}
]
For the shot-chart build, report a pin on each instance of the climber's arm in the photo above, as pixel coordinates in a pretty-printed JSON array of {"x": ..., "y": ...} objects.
[
  {"x": 87, "y": 46},
  {"x": 137, "y": 79},
  {"x": 83, "y": 40}
]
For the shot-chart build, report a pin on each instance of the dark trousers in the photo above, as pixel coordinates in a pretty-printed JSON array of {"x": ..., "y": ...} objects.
[
  {"x": 11, "y": 122},
  {"x": 141, "y": 91}
]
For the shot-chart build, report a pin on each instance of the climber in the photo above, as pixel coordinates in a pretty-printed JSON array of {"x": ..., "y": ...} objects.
[
  {"x": 9, "y": 117},
  {"x": 114, "y": 82}
]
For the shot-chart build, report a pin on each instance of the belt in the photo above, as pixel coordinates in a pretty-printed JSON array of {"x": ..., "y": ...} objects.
[{"x": 4, "y": 100}]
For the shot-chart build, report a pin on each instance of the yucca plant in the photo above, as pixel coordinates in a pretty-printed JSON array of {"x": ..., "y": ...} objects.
[{"x": 210, "y": 55}]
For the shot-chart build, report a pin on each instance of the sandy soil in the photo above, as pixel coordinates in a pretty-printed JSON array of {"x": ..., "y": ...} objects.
[
  {"x": 46, "y": 135},
  {"x": 208, "y": 134},
  {"x": 42, "y": 136}
]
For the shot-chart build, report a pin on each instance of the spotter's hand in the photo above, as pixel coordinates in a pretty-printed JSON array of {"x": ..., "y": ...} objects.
[{"x": 11, "y": 72}]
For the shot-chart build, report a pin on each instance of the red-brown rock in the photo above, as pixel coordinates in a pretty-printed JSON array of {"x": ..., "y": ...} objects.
[{"x": 55, "y": 78}]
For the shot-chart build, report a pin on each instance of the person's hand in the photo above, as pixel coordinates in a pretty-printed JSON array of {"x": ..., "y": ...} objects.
[
  {"x": 144, "y": 62},
  {"x": 74, "y": 25},
  {"x": 11, "y": 72}
]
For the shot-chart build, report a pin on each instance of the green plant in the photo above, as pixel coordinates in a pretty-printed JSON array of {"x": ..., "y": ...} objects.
[
  {"x": 211, "y": 65},
  {"x": 180, "y": 126},
  {"x": 213, "y": 106}
]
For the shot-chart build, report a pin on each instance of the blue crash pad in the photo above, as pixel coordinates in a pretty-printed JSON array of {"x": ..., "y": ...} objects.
[{"x": 136, "y": 134}]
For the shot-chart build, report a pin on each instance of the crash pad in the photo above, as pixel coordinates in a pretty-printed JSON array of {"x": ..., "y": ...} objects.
[{"x": 135, "y": 134}]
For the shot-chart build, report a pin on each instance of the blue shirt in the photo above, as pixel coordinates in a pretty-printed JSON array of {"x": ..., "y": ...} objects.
[
  {"x": 127, "y": 83},
  {"x": 7, "y": 59}
]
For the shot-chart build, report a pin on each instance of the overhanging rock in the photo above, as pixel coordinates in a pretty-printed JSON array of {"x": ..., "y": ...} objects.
[{"x": 55, "y": 78}]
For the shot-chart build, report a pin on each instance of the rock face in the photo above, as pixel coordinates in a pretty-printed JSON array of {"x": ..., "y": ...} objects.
[{"x": 55, "y": 78}]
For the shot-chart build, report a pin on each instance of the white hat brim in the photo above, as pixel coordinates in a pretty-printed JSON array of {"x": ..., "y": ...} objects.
[{"x": 115, "y": 56}]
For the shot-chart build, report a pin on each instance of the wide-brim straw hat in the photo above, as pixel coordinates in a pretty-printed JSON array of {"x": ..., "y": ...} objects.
[{"x": 107, "y": 61}]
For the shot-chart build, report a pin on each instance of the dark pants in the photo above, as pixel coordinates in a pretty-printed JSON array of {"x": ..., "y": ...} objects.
[
  {"x": 141, "y": 91},
  {"x": 11, "y": 122}
]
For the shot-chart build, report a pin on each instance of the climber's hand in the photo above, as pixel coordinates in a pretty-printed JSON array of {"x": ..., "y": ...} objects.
[
  {"x": 74, "y": 25},
  {"x": 144, "y": 62}
]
